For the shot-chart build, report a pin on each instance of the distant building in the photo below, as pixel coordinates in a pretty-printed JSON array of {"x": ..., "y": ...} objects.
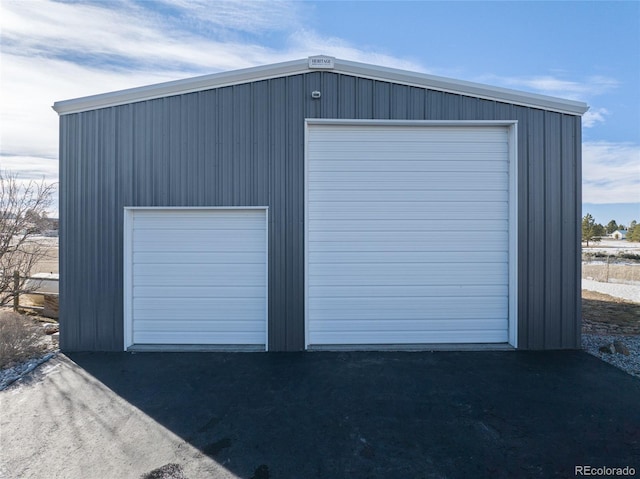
[{"x": 619, "y": 234}]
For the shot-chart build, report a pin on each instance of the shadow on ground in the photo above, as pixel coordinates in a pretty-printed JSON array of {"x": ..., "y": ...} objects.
[
  {"x": 608, "y": 315},
  {"x": 385, "y": 415}
]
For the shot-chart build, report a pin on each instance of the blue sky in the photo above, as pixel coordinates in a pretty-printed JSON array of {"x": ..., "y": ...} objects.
[{"x": 588, "y": 51}]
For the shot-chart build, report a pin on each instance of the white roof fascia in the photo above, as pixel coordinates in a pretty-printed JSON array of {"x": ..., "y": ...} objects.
[
  {"x": 296, "y": 67},
  {"x": 179, "y": 87},
  {"x": 461, "y": 87}
]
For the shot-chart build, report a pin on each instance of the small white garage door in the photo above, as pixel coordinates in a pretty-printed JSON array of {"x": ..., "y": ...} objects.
[
  {"x": 407, "y": 234},
  {"x": 195, "y": 277}
]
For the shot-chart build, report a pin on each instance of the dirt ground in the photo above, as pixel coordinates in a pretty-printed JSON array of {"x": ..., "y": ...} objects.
[
  {"x": 604, "y": 314},
  {"x": 49, "y": 262}
]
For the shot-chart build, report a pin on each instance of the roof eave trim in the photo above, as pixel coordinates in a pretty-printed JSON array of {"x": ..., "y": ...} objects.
[
  {"x": 218, "y": 80},
  {"x": 178, "y": 87},
  {"x": 461, "y": 87}
]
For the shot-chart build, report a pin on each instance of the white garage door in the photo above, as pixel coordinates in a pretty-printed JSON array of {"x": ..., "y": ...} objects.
[
  {"x": 195, "y": 277},
  {"x": 407, "y": 234}
]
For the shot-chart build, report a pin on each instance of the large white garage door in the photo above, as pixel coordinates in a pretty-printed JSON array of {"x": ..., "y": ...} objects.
[
  {"x": 195, "y": 277},
  {"x": 407, "y": 234}
]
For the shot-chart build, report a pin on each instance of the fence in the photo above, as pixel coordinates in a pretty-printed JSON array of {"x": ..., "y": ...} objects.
[
  {"x": 50, "y": 303},
  {"x": 607, "y": 270}
]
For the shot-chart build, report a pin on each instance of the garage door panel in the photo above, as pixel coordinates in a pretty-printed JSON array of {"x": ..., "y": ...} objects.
[
  {"x": 423, "y": 238},
  {"x": 380, "y": 271},
  {"x": 199, "y": 338},
  {"x": 203, "y": 240},
  {"x": 443, "y": 179},
  {"x": 417, "y": 195},
  {"x": 416, "y": 337},
  {"x": 198, "y": 277},
  {"x": 224, "y": 291},
  {"x": 457, "y": 244},
  {"x": 161, "y": 245},
  {"x": 427, "y": 307},
  {"x": 367, "y": 318},
  {"x": 230, "y": 279},
  {"x": 436, "y": 133},
  {"x": 443, "y": 163},
  {"x": 410, "y": 210},
  {"x": 232, "y": 222},
  {"x": 444, "y": 228},
  {"x": 177, "y": 314},
  {"x": 202, "y": 326},
  {"x": 189, "y": 257},
  {"x": 214, "y": 307},
  {"x": 431, "y": 257},
  {"x": 387, "y": 211},
  {"x": 176, "y": 273},
  {"x": 405, "y": 291},
  {"x": 435, "y": 324},
  {"x": 370, "y": 145},
  {"x": 408, "y": 280}
]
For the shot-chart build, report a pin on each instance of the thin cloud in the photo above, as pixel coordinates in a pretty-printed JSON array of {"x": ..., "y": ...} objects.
[
  {"x": 31, "y": 85},
  {"x": 594, "y": 116},
  {"x": 610, "y": 172},
  {"x": 554, "y": 86},
  {"x": 31, "y": 167},
  {"x": 249, "y": 17},
  {"x": 118, "y": 36},
  {"x": 305, "y": 42},
  {"x": 54, "y": 51}
]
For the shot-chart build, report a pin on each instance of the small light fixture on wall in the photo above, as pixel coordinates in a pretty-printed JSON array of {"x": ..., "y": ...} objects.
[{"x": 315, "y": 94}]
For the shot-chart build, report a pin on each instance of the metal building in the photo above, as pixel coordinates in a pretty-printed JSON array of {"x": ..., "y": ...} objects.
[{"x": 319, "y": 204}]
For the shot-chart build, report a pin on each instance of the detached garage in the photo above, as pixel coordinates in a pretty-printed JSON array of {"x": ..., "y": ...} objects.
[{"x": 319, "y": 204}]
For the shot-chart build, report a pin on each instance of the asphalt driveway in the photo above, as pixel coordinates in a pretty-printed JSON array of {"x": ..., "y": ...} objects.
[{"x": 320, "y": 415}]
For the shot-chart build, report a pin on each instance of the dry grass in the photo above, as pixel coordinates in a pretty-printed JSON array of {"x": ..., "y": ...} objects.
[
  {"x": 607, "y": 272},
  {"x": 49, "y": 261},
  {"x": 604, "y": 314},
  {"x": 21, "y": 338}
]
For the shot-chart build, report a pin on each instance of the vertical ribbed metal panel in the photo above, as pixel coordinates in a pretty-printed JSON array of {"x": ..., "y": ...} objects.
[{"x": 243, "y": 145}]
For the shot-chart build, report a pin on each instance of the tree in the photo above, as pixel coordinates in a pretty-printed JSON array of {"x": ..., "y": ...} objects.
[
  {"x": 599, "y": 231},
  {"x": 633, "y": 233},
  {"x": 23, "y": 206},
  {"x": 611, "y": 227},
  {"x": 590, "y": 229}
]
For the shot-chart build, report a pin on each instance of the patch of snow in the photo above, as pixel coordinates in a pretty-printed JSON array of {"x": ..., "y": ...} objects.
[
  {"x": 612, "y": 247},
  {"x": 617, "y": 290}
]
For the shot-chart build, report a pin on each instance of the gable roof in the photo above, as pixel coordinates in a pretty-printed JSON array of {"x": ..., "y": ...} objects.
[{"x": 331, "y": 64}]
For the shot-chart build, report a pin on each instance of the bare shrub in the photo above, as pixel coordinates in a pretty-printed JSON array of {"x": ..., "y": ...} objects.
[{"x": 20, "y": 339}]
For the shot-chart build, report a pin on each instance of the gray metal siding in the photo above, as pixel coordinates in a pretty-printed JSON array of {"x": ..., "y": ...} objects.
[{"x": 243, "y": 145}]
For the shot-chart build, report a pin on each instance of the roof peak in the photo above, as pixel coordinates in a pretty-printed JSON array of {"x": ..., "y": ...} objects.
[{"x": 319, "y": 63}]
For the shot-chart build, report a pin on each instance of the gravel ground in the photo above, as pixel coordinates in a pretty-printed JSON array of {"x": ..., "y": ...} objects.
[{"x": 631, "y": 364}]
